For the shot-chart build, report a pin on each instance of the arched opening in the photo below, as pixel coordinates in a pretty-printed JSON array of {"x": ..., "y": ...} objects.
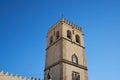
[
  {"x": 57, "y": 35},
  {"x": 51, "y": 40},
  {"x": 75, "y": 59},
  {"x": 77, "y": 38},
  {"x": 69, "y": 34}
]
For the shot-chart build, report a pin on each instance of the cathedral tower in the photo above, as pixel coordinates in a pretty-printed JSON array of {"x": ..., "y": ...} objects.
[{"x": 65, "y": 56}]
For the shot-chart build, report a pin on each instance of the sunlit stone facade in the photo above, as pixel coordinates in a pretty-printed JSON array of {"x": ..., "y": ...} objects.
[{"x": 65, "y": 56}]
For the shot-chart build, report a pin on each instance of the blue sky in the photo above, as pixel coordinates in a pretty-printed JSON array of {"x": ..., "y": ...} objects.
[{"x": 24, "y": 25}]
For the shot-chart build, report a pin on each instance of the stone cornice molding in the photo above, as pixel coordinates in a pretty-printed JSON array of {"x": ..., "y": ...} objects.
[
  {"x": 66, "y": 62},
  {"x": 64, "y": 39}
]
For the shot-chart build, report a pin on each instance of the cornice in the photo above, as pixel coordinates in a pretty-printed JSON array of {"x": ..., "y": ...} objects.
[
  {"x": 66, "y": 62},
  {"x": 64, "y": 39}
]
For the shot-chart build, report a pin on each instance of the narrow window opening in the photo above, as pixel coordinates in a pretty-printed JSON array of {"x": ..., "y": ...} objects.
[
  {"x": 51, "y": 40},
  {"x": 57, "y": 35},
  {"x": 68, "y": 34},
  {"x": 77, "y": 39}
]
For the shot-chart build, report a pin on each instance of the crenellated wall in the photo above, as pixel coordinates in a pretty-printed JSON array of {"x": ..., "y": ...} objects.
[
  {"x": 6, "y": 76},
  {"x": 67, "y": 22}
]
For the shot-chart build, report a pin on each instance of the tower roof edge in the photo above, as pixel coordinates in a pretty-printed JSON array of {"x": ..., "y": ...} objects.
[{"x": 64, "y": 20}]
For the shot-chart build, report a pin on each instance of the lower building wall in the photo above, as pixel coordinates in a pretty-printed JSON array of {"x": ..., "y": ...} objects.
[
  {"x": 55, "y": 72},
  {"x": 68, "y": 69}
]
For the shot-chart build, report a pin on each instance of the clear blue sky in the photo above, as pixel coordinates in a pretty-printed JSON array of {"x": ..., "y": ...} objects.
[{"x": 24, "y": 25}]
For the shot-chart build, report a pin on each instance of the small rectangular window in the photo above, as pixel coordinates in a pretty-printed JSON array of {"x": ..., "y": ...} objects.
[{"x": 75, "y": 76}]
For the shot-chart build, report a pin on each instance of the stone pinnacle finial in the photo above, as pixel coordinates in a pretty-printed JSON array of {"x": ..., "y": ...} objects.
[{"x": 62, "y": 17}]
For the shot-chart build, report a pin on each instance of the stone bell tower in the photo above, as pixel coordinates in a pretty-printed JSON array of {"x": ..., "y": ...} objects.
[{"x": 65, "y": 56}]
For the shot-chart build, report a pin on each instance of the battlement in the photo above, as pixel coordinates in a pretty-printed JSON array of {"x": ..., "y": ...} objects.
[
  {"x": 67, "y": 22},
  {"x": 6, "y": 76},
  {"x": 71, "y": 24}
]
